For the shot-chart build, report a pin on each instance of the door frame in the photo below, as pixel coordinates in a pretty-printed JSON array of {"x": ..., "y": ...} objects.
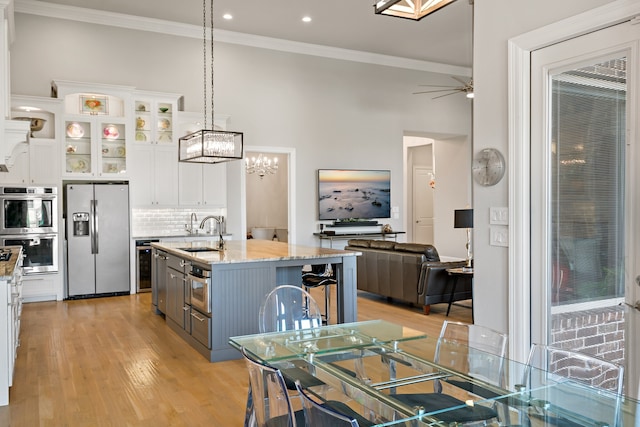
[
  {"x": 290, "y": 152},
  {"x": 519, "y": 90}
]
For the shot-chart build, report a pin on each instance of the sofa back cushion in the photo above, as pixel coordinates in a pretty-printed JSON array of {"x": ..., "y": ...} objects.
[
  {"x": 359, "y": 243},
  {"x": 383, "y": 244},
  {"x": 429, "y": 251}
]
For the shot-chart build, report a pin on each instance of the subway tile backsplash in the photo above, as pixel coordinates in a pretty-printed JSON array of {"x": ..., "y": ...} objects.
[{"x": 149, "y": 222}]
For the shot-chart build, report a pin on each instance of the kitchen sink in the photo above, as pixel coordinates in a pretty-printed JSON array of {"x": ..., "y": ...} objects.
[{"x": 207, "y": 249}]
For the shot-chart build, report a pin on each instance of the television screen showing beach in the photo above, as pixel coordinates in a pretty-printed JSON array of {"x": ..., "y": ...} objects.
[{"x": 358, "y": 194}]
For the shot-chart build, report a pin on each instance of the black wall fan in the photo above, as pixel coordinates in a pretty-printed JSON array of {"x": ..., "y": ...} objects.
[{"x": 466, "y": 87}]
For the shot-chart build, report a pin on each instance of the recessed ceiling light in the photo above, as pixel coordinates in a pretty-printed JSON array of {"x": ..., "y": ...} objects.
[
  {"x": 227, "y": 16},
  {"x": 306, "y": 19}
]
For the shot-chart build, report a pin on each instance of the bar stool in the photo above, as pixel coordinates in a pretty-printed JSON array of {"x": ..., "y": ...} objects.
[{"x": 321, "y": 276}]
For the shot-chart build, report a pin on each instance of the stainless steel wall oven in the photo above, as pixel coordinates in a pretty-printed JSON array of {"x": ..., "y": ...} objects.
[
  {"x": 29, "y": 218},
  {"x": 28, "y": 210},
  {"x": 40, "y": 251}
]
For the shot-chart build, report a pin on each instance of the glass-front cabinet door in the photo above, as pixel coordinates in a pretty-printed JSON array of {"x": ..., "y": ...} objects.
[
  {"x": 95, "y": 146},
  {"x": 95, "y": 129},
  {"x": 154, "y": 117}
]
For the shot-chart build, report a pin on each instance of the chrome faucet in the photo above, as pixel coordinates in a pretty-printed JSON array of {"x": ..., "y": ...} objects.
[
  {"x": 220, "y": 221},
  {"x": 194, "y": 217}
]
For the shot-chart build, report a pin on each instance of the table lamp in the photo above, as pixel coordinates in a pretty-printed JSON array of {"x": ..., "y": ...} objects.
[{"x": 463, "y": 218}]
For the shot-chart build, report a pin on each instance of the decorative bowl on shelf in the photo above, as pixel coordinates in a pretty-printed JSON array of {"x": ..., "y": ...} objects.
[
  {"x": 36, "y": 124},
  {"x": 163, "y": 109}
]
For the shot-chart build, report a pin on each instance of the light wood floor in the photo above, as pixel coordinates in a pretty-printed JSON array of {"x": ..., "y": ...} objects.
[{"x": 112, "y": 362}]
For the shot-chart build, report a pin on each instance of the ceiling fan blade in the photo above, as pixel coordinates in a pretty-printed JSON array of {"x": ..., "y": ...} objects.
[
  {"x": 440, "y": 90},
  {"x": 465, "y": 83},
  {"x": 452, "y": 87},
  {"x": 442, "y": 96}
]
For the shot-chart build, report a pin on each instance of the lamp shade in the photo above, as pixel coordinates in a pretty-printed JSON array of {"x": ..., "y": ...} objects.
[{"x": 463, "y": 218}]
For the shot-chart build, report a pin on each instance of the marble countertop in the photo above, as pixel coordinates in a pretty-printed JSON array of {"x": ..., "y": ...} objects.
[
  {"x": 7, "y": 267},
  {"x": 252, "y": 250}
]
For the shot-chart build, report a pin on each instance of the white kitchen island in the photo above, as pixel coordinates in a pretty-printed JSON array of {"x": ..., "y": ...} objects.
[{"x": 241, "y": 276}]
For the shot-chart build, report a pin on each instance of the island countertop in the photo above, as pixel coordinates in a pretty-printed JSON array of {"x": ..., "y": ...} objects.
[{"x": 252, "y": 250}]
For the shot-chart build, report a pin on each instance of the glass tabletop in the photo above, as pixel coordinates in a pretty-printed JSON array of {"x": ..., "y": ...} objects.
[
  {"x": 393, "y": 375},
  {"x": 275, "y": 346}
]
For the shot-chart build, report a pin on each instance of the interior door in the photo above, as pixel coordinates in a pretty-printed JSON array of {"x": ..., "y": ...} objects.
[
  {"x": 422, "y": 206},
  {"x": 584, "y": 197}
]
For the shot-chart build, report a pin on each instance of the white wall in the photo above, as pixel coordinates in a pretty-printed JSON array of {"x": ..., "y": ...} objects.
[
  {"x": 495, "y": 22},
  {"x": 338, "y": 114}
]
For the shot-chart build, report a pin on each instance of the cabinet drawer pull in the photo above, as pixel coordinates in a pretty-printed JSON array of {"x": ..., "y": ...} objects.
[{"x": 202, "y": 319}]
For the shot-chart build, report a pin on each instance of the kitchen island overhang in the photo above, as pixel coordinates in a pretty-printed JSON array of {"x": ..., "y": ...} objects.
[{"x": 240, "y": 277}]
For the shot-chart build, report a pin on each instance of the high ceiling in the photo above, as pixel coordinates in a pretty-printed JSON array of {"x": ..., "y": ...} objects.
[{"x": 443, "y": 37}]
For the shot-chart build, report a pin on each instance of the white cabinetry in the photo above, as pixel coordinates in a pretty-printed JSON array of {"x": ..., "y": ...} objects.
[
  {"x": 96, "y": 129},
  {"x": 34, "y": 161},
  {"x": 201, "y": 184},
  {"x": 155, "y": 115},
  {"x": 154, "y": 179},
  {"x": 10, "y": 312}
]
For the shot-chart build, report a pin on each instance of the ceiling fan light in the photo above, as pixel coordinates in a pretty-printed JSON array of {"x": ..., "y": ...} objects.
[
  {"x": 470, "y": 94},
  {"x": 409, "y": 9}
]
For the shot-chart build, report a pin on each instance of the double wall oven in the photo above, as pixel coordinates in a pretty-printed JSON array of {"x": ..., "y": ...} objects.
[{"x": 29, "y": 218}]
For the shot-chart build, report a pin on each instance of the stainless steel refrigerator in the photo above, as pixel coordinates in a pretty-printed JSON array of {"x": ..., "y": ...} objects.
[{"x": 97, "y": 233}]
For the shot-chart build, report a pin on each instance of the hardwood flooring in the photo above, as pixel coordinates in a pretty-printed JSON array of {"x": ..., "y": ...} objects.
[{"x": 112, "y": 362}]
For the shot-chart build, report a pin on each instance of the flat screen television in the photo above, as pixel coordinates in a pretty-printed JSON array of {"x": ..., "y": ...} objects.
[{"x": 354, "y": 194}]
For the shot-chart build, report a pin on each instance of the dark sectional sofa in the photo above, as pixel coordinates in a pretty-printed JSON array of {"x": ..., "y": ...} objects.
[{"x": 409, "y": 272}]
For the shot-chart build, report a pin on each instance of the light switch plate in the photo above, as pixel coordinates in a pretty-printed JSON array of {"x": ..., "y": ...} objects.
[
  {"x": 499, "y": 216},
  {"x": 499, "y": 236}
]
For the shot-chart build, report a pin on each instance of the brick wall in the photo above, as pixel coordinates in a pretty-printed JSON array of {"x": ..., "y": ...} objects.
[{"x": 599, "y": 332}]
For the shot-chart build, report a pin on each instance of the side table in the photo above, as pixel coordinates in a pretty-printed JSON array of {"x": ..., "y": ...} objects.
[{"x": 456, "y": 273}]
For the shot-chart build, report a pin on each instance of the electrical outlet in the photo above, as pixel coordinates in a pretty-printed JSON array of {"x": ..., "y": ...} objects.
[
  {"x": 499, "y": 216},
  {"x": 499, "y": 236}
]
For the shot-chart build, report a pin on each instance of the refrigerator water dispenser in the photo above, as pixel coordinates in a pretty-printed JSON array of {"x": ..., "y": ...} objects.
[{"x": 81, "y": 223}]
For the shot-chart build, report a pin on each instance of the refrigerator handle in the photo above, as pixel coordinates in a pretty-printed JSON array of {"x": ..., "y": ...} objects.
[{"x": 94, "y": 226}]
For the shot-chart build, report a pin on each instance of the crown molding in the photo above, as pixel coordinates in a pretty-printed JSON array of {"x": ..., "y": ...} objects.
[{"x": 131, "y": 22}]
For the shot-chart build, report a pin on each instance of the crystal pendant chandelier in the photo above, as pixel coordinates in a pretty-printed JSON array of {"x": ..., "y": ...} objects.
[
  {"x": 262, "y": 165},
  {"x": 410, "y": 9},
  {"x": 209, "y": 145}
]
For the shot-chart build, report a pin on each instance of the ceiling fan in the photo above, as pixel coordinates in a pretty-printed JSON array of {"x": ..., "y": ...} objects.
[{"x": 467, "y": 87}]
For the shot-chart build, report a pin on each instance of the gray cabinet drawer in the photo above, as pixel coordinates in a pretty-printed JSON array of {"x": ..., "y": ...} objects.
[{"x": 201, "y": 328}]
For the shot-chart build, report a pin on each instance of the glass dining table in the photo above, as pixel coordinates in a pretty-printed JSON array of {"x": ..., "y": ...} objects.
[{"x": 373, "y": 366}]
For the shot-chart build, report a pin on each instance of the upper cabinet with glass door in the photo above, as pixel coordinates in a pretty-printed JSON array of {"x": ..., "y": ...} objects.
[
  {"x": 155, "y": 115},
  {"x": 95, "y": 129}
]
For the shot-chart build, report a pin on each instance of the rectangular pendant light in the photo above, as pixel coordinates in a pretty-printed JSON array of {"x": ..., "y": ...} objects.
[
  {"x": 409, "y": 9},
  {"x": 210, "y": 146}
]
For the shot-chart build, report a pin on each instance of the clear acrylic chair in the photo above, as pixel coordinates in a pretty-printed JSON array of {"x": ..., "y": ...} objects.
[
  {"x": 475, "y": 351},
  {"x": 287, "y": 308},
  {"x": 576, "y": 382},
  {"x": 330, "y": 413},
  {"x": 269, "y": 403}
]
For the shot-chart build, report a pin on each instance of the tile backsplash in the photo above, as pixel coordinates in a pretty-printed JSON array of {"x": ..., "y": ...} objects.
[{"x": 150, "y": 222}]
